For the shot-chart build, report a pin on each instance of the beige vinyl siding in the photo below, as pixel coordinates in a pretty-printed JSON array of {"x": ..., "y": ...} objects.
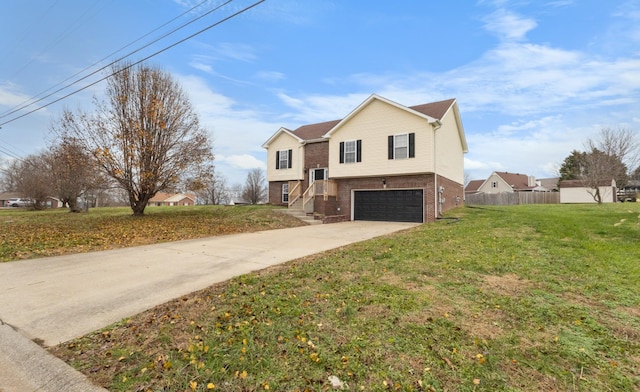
[
  {"x": 373, "y": 124},
  {"x": 285, "y": 141},
  {"x": 502, "y": 186},
  {"x": 449, "y": 149},
  {"x": 583, "y": 195}
]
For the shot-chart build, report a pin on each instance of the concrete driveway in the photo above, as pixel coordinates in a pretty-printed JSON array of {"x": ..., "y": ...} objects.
[{"x": 60, "y": 298}]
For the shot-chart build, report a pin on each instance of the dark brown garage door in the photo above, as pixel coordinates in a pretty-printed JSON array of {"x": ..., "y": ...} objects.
[{"x": 388, "y": 205}]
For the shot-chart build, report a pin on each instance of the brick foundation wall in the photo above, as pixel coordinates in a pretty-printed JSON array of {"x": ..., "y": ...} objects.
[
  {"x": 334, "y": 219},
  {"x": 452, "y": 190},
  {"x": 275, "y": 193},
  {"x": 324, "y": 207}
]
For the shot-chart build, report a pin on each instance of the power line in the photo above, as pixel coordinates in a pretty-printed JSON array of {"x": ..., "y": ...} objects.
[
  {"x": 20, "y": 105},
  {"x": 25, "y": 105}
]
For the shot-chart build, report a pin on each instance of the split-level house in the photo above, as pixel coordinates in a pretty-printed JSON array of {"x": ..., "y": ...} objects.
[{"x": 383, "y": 161}]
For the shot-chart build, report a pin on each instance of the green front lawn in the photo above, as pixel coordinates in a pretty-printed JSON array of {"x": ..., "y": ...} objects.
[
  {"x": 524, "y": 298},
  {"x": 28, "y": 234}
]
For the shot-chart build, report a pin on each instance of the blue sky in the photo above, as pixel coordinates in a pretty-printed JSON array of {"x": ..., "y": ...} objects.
[{"x": 533, "y": 79}]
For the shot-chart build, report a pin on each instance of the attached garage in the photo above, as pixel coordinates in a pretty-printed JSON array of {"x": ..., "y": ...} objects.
[{"x": 396, "y": 205}]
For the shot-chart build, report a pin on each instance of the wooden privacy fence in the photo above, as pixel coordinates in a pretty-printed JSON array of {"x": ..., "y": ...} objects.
[{"x": 510, "y": 199}]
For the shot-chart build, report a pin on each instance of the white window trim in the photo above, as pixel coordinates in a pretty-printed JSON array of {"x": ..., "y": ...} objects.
[
  {"x": 285, "y": 193},
  {"x": 396, "y": 146},
  {"x": 354, "y": 153},
  {"x": 312, "y": 174},
  {"x": 285, "y": 154}
]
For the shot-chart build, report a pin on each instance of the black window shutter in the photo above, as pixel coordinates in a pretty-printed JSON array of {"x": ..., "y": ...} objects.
[
  {"x": 289, "y": 158},
  {"x": 359, "y": 150},
  {"x": 341, "y": 152},
  {"x": 391, "y": 147},
  {"x": 412, "y": 145},
  {"x": 277, "y": 160}
]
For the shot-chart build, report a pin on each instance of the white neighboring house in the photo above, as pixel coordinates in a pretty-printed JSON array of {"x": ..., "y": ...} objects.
[{"x": 574, "y": 191}]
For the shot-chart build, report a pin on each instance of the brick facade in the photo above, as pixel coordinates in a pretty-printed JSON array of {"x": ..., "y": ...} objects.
[
  {"x": 275, "y": 193},
  {"x": 424, "y": 182},
  {"x": 341, "y": 206},
  {"x": 316, "y": 155},
  {"x": 338, "y": 208},
  {"x": 453, "y": 193}
]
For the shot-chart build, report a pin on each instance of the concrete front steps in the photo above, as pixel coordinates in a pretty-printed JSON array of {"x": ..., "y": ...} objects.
[{"x": 300, "y": 214}]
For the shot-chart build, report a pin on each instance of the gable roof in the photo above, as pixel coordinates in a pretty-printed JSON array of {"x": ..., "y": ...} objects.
[
  {"x": 171, "y": 197},
  {"x": 473, "y": 185},
  {"x": 436, "y": 110},
  {"x": 516, "y": 181},
  {"x": 180, "y": 196},
  {"x": 433, "y": 112},
  {"x": 366, "y": 103},
  {"x": 278, "y": 132},
  {"x": 315, "y": 131}
]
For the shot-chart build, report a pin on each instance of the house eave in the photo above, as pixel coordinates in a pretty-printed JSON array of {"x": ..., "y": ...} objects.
[
  {"x": 318, "y": 140},
  {"x": 277, "y": 133},
  {"x": 366, "y": 102}
]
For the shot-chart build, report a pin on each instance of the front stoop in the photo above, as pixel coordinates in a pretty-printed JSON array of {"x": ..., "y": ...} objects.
[{"x": 300, "y": 214}]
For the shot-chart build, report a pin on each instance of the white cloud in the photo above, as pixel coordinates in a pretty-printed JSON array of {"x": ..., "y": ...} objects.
[
  {"x": 508, "y": 26},
  {"x": 318, "y": 108},
  {"x": 270, "y": 76},
  {"x": 202, "y": 67},
  {"x": 9, "y": 96},
  {"x": 243, "y": 161},
  {"x": 226, "y": 51},
  {"x": 525, "y": 125},
  {"x": 472, "y": 165}
]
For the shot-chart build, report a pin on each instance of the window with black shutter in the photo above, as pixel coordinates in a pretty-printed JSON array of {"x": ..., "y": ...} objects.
[
  {"x": 402, "y": 146},
  {"x": 283, "y": 159},
  {"x": 351, "y": 151}
]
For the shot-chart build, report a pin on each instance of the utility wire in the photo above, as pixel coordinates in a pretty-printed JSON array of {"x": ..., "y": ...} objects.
[
  {"x": 108, "y": 65},
  {"x": 32, "y": 101},
  {"x": 137, "y": 62}
]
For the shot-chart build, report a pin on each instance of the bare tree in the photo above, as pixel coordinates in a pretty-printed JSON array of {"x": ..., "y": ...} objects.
[
  {"x": 144, "y": 135},
  {"x": 254, "y": 190},
  {"x": 622, "y": 143},
  {"x": 75, "y": 173},
  {"x": 9, "y": 175},
  {"x": 235, "y": 192},
  {"x": 599, "y": 170},
  {"x": 217, "y": 189},
  {"x": 210, "y": 187},
  {"x": 33, "y": 178},
  {"x": 610, "y": 156}
]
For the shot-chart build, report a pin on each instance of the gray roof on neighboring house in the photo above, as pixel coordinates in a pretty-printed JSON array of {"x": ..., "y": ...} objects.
[
  {"x": 580, "y": 183},
  {"x": 550, "y": 184}
]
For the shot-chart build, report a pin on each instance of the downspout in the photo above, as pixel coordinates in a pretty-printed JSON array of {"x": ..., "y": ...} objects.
[{"x": 436, "y": 196}]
